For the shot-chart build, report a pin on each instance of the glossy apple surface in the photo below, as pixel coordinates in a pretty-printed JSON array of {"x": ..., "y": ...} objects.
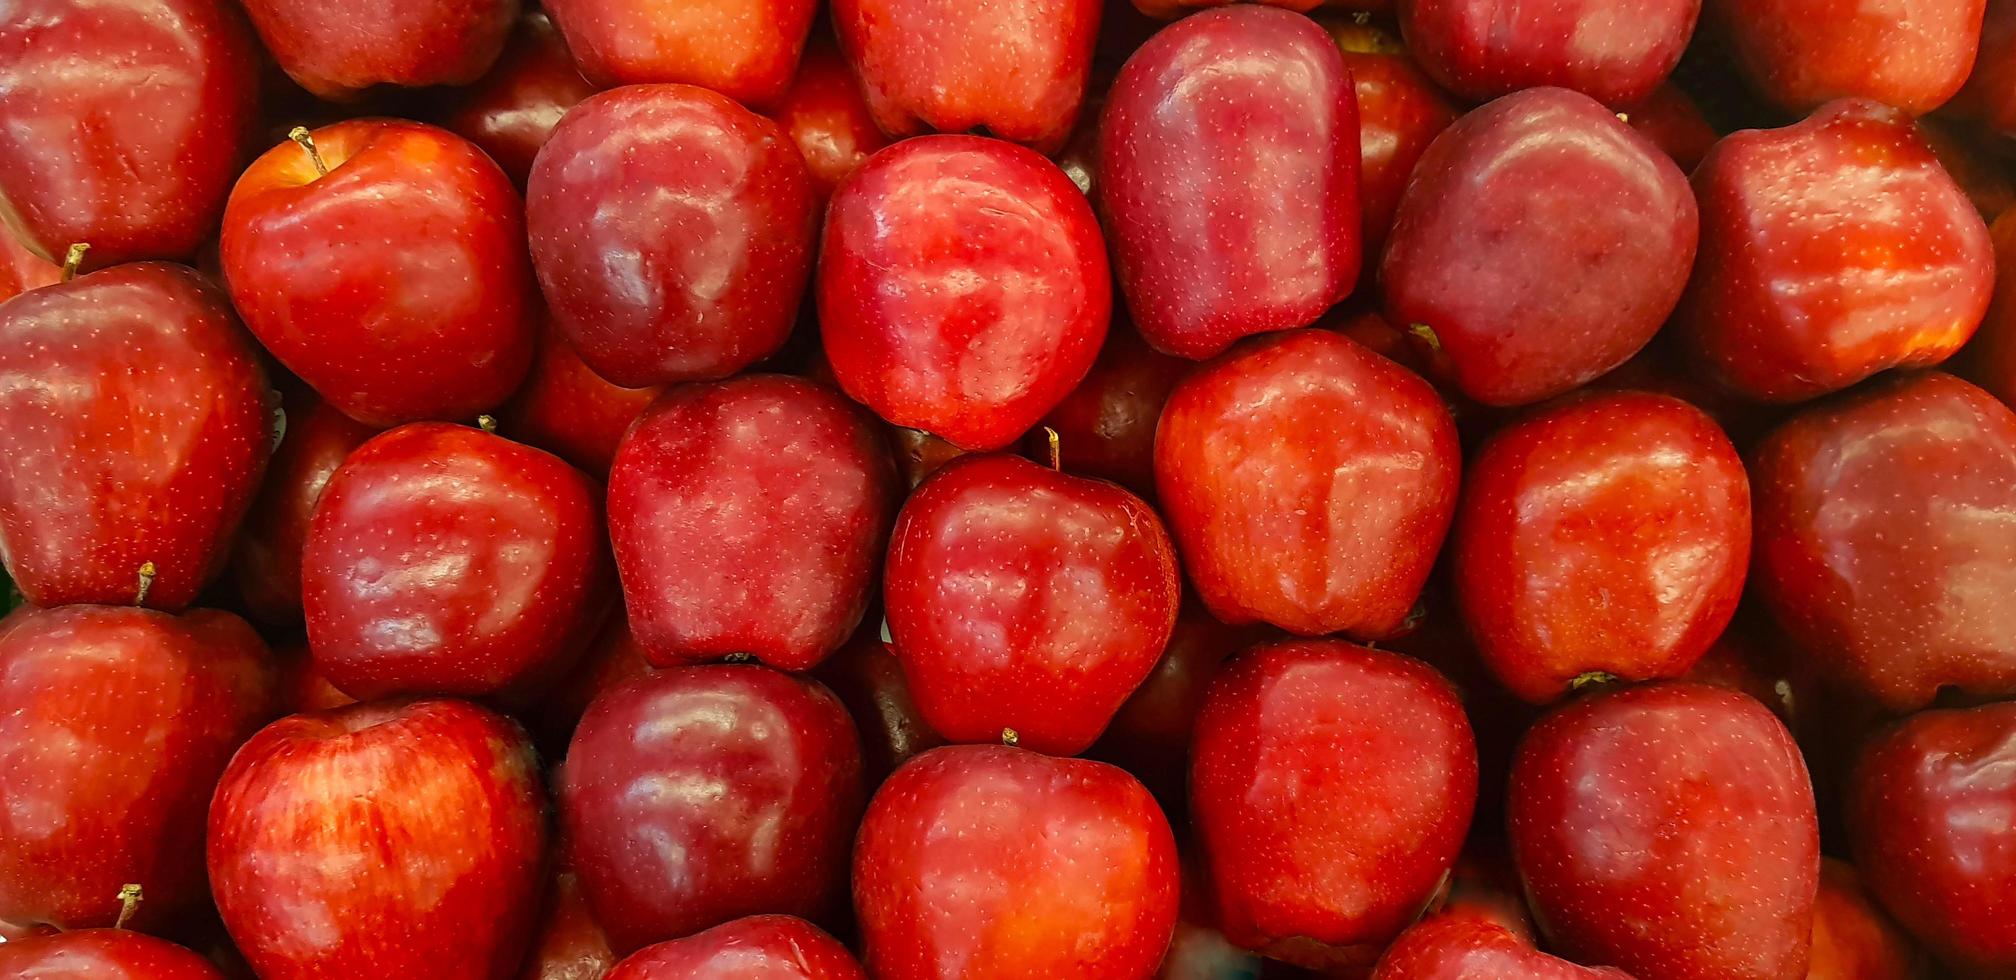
[
  {"x": 1445, "y": 947},
  {"x": 869, "y": 680},
  {"x": 1106, "y": 426},
  {"x": 135, "y": 422},
  {"x": 963, "y": 287},
  {"x": 1308, "y": 483},
  {"x": 512, "y": 109},
  {"x": 1614, "y": 51},
  {"x": 567, "y": 409},
  {"x": 22, "y": 270},
  {"x": 569, "y": 944},
  {"x": 672, "y": 232},
  {"x": 746, "y": 50},
  {"x": 336, "y": 50},
  {"x": 1852, "y": 938},
  {"x": 266, "y": 564},
  {"x": 395, "y": 284},
  {"x": 827, "y": 116},
  {"x": 760, "y": 947},
  {"x": 102, "y": 954},
  {"x": 1399, "y": 113},
  {"x": 1228, "y": 178},
  {"x": 1912, "y": 54},
  {"x": 986, "y": 862}
]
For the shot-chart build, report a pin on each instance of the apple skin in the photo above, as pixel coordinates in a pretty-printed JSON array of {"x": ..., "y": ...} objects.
[
  {"x": 423, "y": 311},
  {"x": 446, "y": 560},
  {"x": 989, "y": 862},
  {"x": 102, "y": 954},
  {"x": 1308, "y": 483},
  {"x": 963, "y": 287},
  {"x": 1150, "y": 734},
  {"x": 749, "y": 517},
  {"x": 672, "y": 231},
  {"x": 1543, "y": 241},
  {"x": 1015, "y": 67},
  {"x": 1399, "y": 113},
  {"x": 1852, "y": 938},
  {"x": 513, "y": 108},
  {"x": 827, "y": 116},
  {"x": 570, "y": 944},
  {"x": 22, "y": 270},
  {"x": 1989, "y": 96},
  {"x": 114, "y": 725},
  {"x": 1672, "y": 120},
  {"x": 135, "y": 423},
  {"x": 1106, "y": 426},
  {"x": 1614, "y": 51},
  {"x": 760, "y": 947},
  {"x": 1445, "y": 947},
  {"x": 869, "y": 680},
  {"x": 1608, "y": 534},
  {"x": 266, "y": 564},
  {"x": 1808, "y": 280},
  {"x": 614, "y": 656},
  {"x": 1800, "y": 54},
  {"x": 1878, "y": 526},
  {"x": 340, "y": 843},
  {"x": 336, "y": 51},
  {"x": 124, "y": 124},
  {"x": 747, "y": 781},
  {"x": 1212, "y": 238},
  {"x": 1668, "y": 829},
  {"x": 1990, "y": 360},
  {"x": 1023, "y": 598},
  {"x": 567, "y": 409},
  {"x": 746, "y": 50},
  {"x": 1922, "y": 816},
  {"x": 303, "y": 687}
]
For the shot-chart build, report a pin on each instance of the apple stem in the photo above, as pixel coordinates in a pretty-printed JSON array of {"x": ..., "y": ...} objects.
[
  {"x": 1427, "y": 335},
  {"x": 738, "y": 657},
  {"x": 74, "y": 260},
  {"x": 129, "y": 902},
  {"x": 487, "y": 423},
  {"x": 1056, "y": 448},
  {"x": 147, "y": 573},
  {"x": 1624, "y": 117},
  {"x": 299, "y": 134},
  {"x": 1010, "y": 737},
  {"x": 1594, "y": 678}
]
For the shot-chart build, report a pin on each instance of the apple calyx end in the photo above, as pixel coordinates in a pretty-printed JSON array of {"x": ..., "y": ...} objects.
[
  {"x": 74, "y": 259},
  {"x": 738, "y": 657},
  {"x": 1010, "y": 737},
  {"x": 1590, "y": 680},
  {"x": 129, "y": 902},
  {"x": 299, "y": 134},
  {"x": 147, "y": 573}
]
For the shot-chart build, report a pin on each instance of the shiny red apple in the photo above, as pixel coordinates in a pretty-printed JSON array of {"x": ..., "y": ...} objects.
[
  {"x": 1399, "y": 112},
  {"x": 746, "y": 50},
  {"x": 827, "y": 116},
  {"x": 1106, "y": 426},
  {"x": 267, "y": 562},
  {"x": 102, "y": 954},
  {"x": 1614, "y": 51},
  {"x": 1445, "y": 947},
  {"x": 338, "y": 50},
  {"x": 1852, "y": 938},
  {"x": 760, "y": 947},
  {"x": 567, "y": 409},
  {"x": 512, "y": 109},
  {"x": 1912, "y": 54}
]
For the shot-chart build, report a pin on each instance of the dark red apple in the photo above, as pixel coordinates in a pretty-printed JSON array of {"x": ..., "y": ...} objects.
[
  {"x": 267, "y": 562},
  {"x": 963, "y": 287},
  {"x": 749, "y": 517},
  {"x": 1674, "y": 123},
  {"x": 1308, "y": 482},
  {"x": 1831, "y": 249},
  {"x": 303, "y": 687},
  {"x": 672, "y": 232},
  {"x": 920, "y": 454},
  {"x": 1150, "y": 734},
  {"x": 102, "y": 954},
  {"x": 1614, "y": 51},
  {"x": 134, "y": 428},
  {"x": 337, "y": 50},
  {"x": 614, "y": 656},
  {"x": 760, "y": 947},
  {"x": 1172, "y": 9},
  {"x": 22, "y": 270},
  {"x": 443, "y": 559},
  {"x": 570, "y": 944},
  {"x": 869, "y": 680},
  {"x": 1668, "y": 829},
  {"x": 827, "y": 116},
  {"x": 1974, "y": 159},
  {"x": 1912, "y": 54},
  {"x": 123, "y": 125},
  {"x": 1991, "y": 358},
  {"x": 1484, "y": 886},
  {"x": 1027, "y": 604},
  {"x": 1881, "y": 534},
  {"x": 698, "y": 795},
  {"x": 1852, "y": 938},
  {"x": 1399, "y": 112},
  {"x": 746, "y": 50},
  {"x": 1228, "y": 178},
  {"x": 986, "y": 862},
  {"x": 567, "y": 409},
  {"x": 513, "y": 108},
  {"x": 395, "y": 839},
  {"x": 1106, "y": 426},
  {"x": 1989, "y": 95},
  {"x": 1445, "y": 947},
  {"x": 114, "y": 725},
  {"x": 393, "y": 314}
]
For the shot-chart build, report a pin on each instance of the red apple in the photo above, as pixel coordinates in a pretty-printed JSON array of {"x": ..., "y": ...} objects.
[
  {"x": 392, "y": 314},
  {"x": 1106, "y": 426},
  {"x": 672, "y": 232},
  {"x": 1989, "y": 95},
  {"x": 827, "y": 116},
  {"x": 1668, "y": 829},
  {"x": 1540, "y": 243},
  {"x": 1614, "y": 51},
  {"x": 1674, "y": 123},
  {"x": 698, "y": 795},
  {"x": 114, "y": 725},
  {"x": 337, "y": 50},
  {"x": 1991, "y": 358},
  {"x": 1150, "y": 734},
  {"x": 1308, "y": 483},
  {"x": 134, "y": 426},
  {"x": 746, "y": 50},
  {"x": 986, "y": 862},
  {"x": 1027, "y": 604},
  {"x": 1881, "y": 539},
  {"x": 869, "y": 680},
  {"x": 570, "y": 944},
  {"x": 748, "y": 518},
  {"x": 124, "y": 123},
  {"x": 511, "y": 110},
  {"x": 760, "y": 947},
  {"x": 1852, "y": 938},
  {"x": 565, "y": 408},
  {"x": 22, "y": 270},
  {"x": 102, "y": 954},
  {"x": 446, "y": 560},
  {"x": 1399, "y": 112},
  {"x": 920, "y": 454},
  {"x": 1445, "y": 947},
  {"x": 267, "y": 562},
  {"x": 614, "y": 656},
  {"x": 1484, "y": 886},
  {"x": 1831, "y": 249},
  {"x": 1912, "y": 54},
  {"x": 1015, "y": 67},
  {"x": 1228, "y": 177},
  {"x": 963, "y": 287},
  {"x": 303, "y": 687},
  {"x": 1172, "y": 9},
  {"x": 396, "y": 839},
  {"x": 1927, "y": 810}
]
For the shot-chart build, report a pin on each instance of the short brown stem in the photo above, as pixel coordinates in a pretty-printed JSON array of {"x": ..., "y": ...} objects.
[
  {"x": 299, "y": 134},
  {"x": 74, "y": 260},
  {"x": 129, "y": 902},
  {"x": 1010, "y": 736},
  {"x": 147, "y": 573},
  {"x": 1056, "y": 448},
  {"x": 487, "y": 423}
]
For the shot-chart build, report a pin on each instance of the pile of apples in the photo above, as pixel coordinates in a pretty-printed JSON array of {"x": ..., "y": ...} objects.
[{"x": 1008, "y": 489}]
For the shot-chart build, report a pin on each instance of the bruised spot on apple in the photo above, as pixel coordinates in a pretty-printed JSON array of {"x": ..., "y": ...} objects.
[{"x": 760, "y": 947}]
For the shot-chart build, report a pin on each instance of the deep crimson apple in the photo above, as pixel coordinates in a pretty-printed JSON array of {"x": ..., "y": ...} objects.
[
  {"x": 1668, "y": 829},
  {"x": 1614, "y": 51},
  {"x": 1228, "y": 178},
  {"x": 1674, "y": 123},
  {"x": 1927, "y": 810},
  {"x": 1974, "y": 159},
  {"x": 672, "y": 232},
  {"x": 920, "y": 454},
  {"x": 570, "y": 944},
  {"x": 567, "y": 409},
  {"x": 102, "y": 954},
  {"x": 869, "y": 680},
  {"x": 1308, "y": 483},
  {"x": 963, "y": 287},
  {"x": 749, "y": 517},
  {"x": 420, "y": 311},
  {"x": 1399, "y": 112},
  {"x": 1150, "y": 734},
  {"x": 1852, "y": 938},
  {"x": 1881, "y": 538},
  {"x": 303, "y": 687},
  {"x": 337, "y": 50},
  {"x": 1912, "y": 54},
  {"x": 987, "y": 862},
  {"x": 1484, "y": 886},
  {"x": 1991, "y": 358},
  {"x": 1444, "y": 947},
  {"x": 744, "y": 781},
  {"x": 1605, "y": 535},
  {"x": 746, "y": 50},
  {"x": 614, "y": 656},
  {"x": 1027, "y": 604},
  {"x": 114, "y": 725},
  {"x": 1741, "y": 661},
  {"x": 1989, "y": 95},
  {"x": 1016, "y": 68},
  {"x": 1172, "y": 9},
  {"x": 443, "y": 559},
  {"x": 513, "y": 108},
  {"x": 22, "y": 270},
  {"x": 135, "y": 422},
  {"x": 760, "y": 947},
  {"x": 394, "y": 839},
  {"x": 1106, "y": 426},
  {"x": 1540, "y": 243},
  {"x": 1331, "y": 786},
  {"x": 1831, "y": 249},
  {"x": 267, "y": 561},
  {"x": 124, "y": 123},
  {"x": 827, "y": 116}
]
